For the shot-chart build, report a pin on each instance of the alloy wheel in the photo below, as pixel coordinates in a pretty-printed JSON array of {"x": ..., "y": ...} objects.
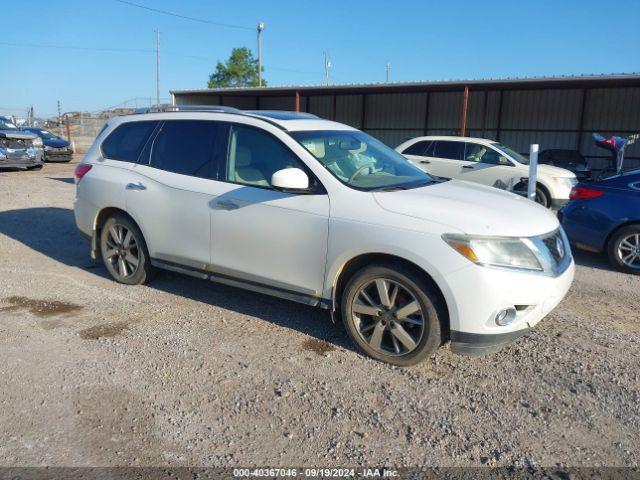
[
  {"x": 629, "y": 251},
  {"x": 122, "y": 251},
  {"x": 388, "y": 317}
]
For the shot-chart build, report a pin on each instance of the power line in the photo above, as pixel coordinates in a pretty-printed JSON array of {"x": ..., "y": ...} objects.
[{"x": 184, "y": 17}]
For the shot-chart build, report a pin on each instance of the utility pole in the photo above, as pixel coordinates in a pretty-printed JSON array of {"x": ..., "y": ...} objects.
[
  {"x": 158, "y": 67},
  {"x": 59, "y": 117},
  {"x": 327, "y": 66},
  {"x": 388, "y": 71},
  {"x": 260, "y": 29}
]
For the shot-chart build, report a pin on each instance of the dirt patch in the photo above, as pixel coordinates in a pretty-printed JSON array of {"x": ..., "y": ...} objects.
[
  {"x": 107, "y": 330},
  {"x": 321, "y": 347},
  {"x": 40, "y": 308}
]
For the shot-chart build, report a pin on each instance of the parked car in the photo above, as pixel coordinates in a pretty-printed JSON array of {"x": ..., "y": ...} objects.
[
  {"x": 19, "y": 149},
  {"x": 604, "y": 216},
  {"x": 489, "y": 163},
  {"x": 321, "y": 213},
  {"x": 571, "y": 160},
  {"x": 56, "y": 149}
]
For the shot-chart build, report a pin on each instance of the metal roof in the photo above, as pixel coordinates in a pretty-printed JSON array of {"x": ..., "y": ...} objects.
[{"x": 615, "y": 80}]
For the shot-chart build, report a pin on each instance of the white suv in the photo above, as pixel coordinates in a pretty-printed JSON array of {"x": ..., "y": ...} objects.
[
  {"x": 318, "y": 212},
  {"x": 490, "y": 163}
]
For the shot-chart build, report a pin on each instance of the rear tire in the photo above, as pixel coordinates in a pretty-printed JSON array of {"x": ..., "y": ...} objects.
[
  {"x": 392, "y": 314},
  {"x": 124, "y": 251},
  {"x": 624, "y": 249}
]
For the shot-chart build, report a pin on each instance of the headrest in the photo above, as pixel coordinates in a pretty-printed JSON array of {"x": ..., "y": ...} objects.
[{"x": 243, "y": 157}]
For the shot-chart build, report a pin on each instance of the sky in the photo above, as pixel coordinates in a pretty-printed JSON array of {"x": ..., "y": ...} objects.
[{"x": 94, "y": 54}]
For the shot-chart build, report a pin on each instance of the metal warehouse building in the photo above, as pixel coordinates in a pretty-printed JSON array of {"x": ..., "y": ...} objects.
[{"x": 555, "y": 112}]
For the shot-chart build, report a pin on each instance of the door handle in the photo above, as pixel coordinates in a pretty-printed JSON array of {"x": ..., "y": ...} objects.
[
  {"x": 468, "y": 166},
  {"x": 226, "y": 205},
  {"x": 135, "y": 186},
  {"x": 425, "y": 161}
]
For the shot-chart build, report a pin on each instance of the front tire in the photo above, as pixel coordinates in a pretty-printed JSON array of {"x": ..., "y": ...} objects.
[
  {"x": 624, "y": 249},
  {"x": 392, "y": 314},
  {"x": 542, "y": 197},
  {"x": 124, "y": 251}
]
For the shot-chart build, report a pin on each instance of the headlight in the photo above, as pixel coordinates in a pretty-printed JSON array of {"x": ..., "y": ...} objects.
[
  {"x": 495, "y": 251},
  {"x": 37, "y": 142},
  {"x": 3, "y": 153},
  {"x": 46, "y": 148},
  {"x": 567, "y": 182}
]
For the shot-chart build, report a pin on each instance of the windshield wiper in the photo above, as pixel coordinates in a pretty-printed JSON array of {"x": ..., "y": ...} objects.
[{"x": 393, "y": 188}]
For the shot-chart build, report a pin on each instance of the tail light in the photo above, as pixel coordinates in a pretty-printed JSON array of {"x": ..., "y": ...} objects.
[
  {"x": 81, "y": 170},
  {"x": 584, "y": 193}
]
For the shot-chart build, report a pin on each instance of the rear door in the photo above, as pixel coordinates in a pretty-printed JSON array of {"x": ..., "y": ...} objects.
[{"x": 170, "y": 191}]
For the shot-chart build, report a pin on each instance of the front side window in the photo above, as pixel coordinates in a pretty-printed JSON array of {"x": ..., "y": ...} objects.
[
  {"x": 476, "y": 152},
  {"x": 509, "y": 152},
  {"x": 449, "y": 150},
  {"x": 255, "y": 155},
  {"x": 361, "y": 161},
  {"x": 127, "y": 141},
  {"x": 187, "y": 147}
]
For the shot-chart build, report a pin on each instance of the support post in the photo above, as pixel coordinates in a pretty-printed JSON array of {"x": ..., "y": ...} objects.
[
  {"x": 533, "y": 171},
  {"x": 157, "y": 67},
  {"x": 67, "y": 128},
  {"x": 297, "y": 100},
  {"x": 260, "y": 29},
  {"x": 465, "y": 104}
]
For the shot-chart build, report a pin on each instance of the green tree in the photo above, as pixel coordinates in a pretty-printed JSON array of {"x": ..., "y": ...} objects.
[{"x": 241, "y": 70}]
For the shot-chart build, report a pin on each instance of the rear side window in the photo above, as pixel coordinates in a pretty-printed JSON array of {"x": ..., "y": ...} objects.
[
  {"x": 418, "y": 148},
  {"x": 449, "y": 150},
  {"x": 127, "y": 141},
  {"x": 187, "y": 147}
]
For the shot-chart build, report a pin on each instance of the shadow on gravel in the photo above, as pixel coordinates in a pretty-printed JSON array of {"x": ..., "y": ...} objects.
[
  {"x": 592, "y": 260},
  {"x": 65, "y": 179},
  {"x": 52, "y": 232}
]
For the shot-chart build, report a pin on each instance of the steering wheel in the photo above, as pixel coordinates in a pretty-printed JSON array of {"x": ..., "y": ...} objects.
[{"x": 360, "y": 169}]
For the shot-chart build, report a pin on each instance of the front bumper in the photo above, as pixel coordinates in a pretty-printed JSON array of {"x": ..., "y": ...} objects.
[
  {"x": 20, "y": 162},
  {"x": 61, "y": 155},
  {"x": 558, "y": 203},
  {"x": 478, "y": 293}
]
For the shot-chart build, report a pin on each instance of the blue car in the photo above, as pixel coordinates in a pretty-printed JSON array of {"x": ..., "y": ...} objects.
[
  {"x": 604, "y": 216},
  {"x": 56, "y": 149}
]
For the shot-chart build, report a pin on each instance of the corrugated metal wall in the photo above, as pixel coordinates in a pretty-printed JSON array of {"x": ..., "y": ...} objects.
[{"x": 553, "y": 118}]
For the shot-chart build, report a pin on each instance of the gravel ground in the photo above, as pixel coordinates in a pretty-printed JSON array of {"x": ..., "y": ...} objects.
[{"x": 183, "y": 372}]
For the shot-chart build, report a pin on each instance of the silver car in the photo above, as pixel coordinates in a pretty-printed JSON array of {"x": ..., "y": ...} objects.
[{"x": 19, "y": 149}]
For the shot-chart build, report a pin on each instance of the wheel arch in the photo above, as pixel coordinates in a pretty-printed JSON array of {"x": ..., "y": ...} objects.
[
  {"x": 99, "y": 220},
  {"x": 617, "y": 228},
  {"x": 352, "y": 266}
]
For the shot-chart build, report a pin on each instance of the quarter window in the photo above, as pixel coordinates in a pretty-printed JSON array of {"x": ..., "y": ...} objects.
[
  {"x": 127, "y": 141},
  {"x": 187, "y": 147},
  {"x": 449, "y": 150},
  {"x": 254, "y": 156}
]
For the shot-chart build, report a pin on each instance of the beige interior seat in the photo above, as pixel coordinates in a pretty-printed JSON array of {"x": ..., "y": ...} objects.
[{"x": 246, "y": 172}]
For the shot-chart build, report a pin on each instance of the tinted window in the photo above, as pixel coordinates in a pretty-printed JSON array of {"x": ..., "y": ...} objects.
[
  {"x": 450, "y": 150},
  {"x": 418, "y": 148},
  {"x": 254, "y": 156},
  {"x": 127, "y": 141},
  {"x": 481, "y": 153},
  {"x": 187, "y": 147}
]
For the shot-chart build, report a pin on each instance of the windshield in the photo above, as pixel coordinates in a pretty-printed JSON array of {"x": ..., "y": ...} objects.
[
  {"x": 44, "y": 134},
  {"x": 6, "y": 125},
  {"x": 361, "y": 161},
  {"x": 511, "y": 153}
]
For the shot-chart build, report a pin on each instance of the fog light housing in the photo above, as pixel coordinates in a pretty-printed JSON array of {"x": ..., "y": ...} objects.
[{"x": 505, "y": 316}]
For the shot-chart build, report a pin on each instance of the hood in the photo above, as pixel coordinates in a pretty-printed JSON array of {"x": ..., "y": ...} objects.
[
  {"x": 17, "y": 134},
  {"x": 471, "y": 208},
  {"x": 557, "y": 172},
  {"x": 55, "y": 142}
]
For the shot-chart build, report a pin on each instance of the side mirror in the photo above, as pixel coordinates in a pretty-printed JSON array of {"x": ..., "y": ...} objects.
[{"x": 290, "y": 179}]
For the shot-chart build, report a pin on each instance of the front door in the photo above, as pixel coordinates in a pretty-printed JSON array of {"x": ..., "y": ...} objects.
[
  {"x": 259, "y": 234},
  {"x": 482, "y": 164}
]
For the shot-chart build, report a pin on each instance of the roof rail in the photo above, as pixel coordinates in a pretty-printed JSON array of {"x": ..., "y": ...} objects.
[{"x": 186, "y": 108}]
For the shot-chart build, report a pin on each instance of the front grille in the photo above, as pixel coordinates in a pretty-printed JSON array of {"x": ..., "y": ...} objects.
[
  {"x": 15, "y": 143},
  {"x": 556, "y": 247}
]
